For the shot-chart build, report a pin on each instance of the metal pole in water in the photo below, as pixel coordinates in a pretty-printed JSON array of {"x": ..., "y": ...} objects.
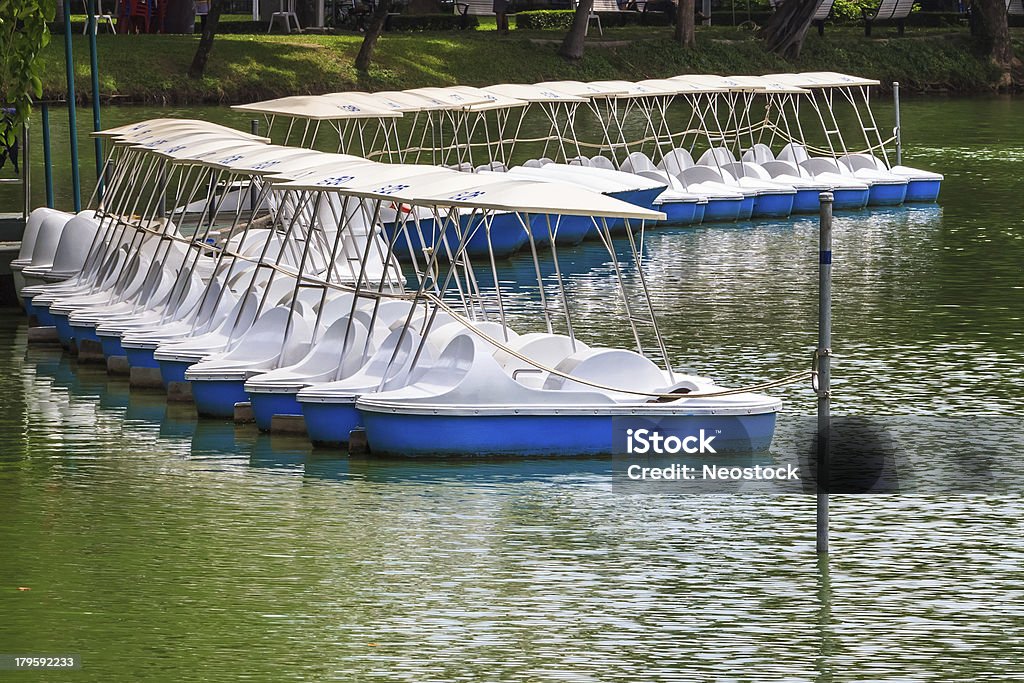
[
  {"x": 69, "y": 67},
  {"x": 824, "y": 367},
  {"x": 254, "y": 127},
  {"x": 47, "y": 160},
  {"x": 26, "y": 172},
  {"x": 897, "y": 131},
  {"x": 94, "y": 69}
]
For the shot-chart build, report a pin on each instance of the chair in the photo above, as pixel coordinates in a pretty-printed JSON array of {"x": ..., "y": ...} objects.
[
  {"x": 101, "y": 16},
  {"x": 608, "y": 6},
  {"x": 286, "y": 15},
  {"x": 479, "y": 8},
  {"x": 888, "y": 10},
  {"x": 1015, "y": 8}
]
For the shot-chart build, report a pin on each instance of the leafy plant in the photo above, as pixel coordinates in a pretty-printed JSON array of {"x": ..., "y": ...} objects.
[{"x": 23, "y": 34}]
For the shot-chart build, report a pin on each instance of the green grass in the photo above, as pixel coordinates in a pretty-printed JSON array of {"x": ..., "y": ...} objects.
[{"x": 152, "y": 68}]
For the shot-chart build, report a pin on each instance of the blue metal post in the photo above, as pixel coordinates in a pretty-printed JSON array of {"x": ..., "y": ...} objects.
[
  {"x": 94, "y": 68},
  {"x": 47, "y": 159},
  {"x": 69, "y": 66}
]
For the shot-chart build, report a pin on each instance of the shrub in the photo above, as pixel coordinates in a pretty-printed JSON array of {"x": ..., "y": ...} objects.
[
  {"x": 545, "y": 20},
  {"x": 431, "y": 22}
]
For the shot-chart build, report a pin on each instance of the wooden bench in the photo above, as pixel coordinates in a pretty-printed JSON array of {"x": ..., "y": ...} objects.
[{"x": 888, "y": 10}]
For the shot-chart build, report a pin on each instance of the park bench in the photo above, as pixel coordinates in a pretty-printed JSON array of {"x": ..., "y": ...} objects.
[
  {"x": 888, "y": 10},
  {"x": 1015, "y": 8}
]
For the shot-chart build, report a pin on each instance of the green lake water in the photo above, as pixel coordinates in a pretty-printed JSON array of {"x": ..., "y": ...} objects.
[{"x": 159, "y": 547}]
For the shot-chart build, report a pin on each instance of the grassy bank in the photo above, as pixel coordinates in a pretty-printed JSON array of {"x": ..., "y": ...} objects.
[{"x": 152, "y": 68}]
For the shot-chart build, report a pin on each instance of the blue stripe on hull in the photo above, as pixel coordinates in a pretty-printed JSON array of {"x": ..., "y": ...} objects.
[
  {"x": 173, "y": 370},
  {"x": 111, "y": 345},
  {"x": 44, "y": 316},
  {"x": 217, "y": 398},
  {"x": 329, "y": 424},
  {"x": 680, "y": 213},
  {"x": 887, "y": 195},
  {"x": 773, "y": 205},
  {"x": 83, "y": 332},
  {"x": 807, "y": 201},
  {"x": 569, "y": 230},
  {"x": 142, "y": 358},
  {"x": 411, "y": 435},
  {"x": 265, "y": 406},
  {"x": 849, "y": 199},
  {"x": 722, "y": 210},
  {"x": 746, "y": 209},
  {"x": 698, "y": 213},
  {"x": 923, "y": 190},
  {"x": 64, "y": 332}
]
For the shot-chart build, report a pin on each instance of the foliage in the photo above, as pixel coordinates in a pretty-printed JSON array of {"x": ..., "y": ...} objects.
[
  {"x": 23, "y": 35},
  {"x": 545, "y": 20},
  {"x": 847, "y": 11},
  {"x": 431, "y": 22}
]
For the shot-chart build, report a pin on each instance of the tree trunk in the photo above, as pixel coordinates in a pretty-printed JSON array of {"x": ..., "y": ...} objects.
[
  {"x": 992, "y": 35},
  {"x": 180, "y": 17},
  {"x": 373, "y": 31},
  {"x": 206, "y": 41},
  {"x": 572, "y": 46},
  {"x": 784, "y": 33},
  {"x": 685, "y": 11}
]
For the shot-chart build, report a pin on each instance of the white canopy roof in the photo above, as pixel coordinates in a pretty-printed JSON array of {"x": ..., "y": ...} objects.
[
  {"x": 628, "y": 89},
  {"x": 581, "y": 89},
  {"x": 420, "y": 101},
  {"x": 135, "y": 131},
  {"x": 455, "y": 96},
  {"x": 533, "y": 93},
  {"x": 317, "y": 108},
  {"x": 767, "y": 84},
  {"x": 364, "y": 175},
  {"x": 822, "y": 79}
]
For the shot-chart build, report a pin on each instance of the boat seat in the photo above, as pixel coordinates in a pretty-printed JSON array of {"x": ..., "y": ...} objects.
[
  {"x": 716, "y": 156},
  {"x": 342, "y": 351},
  {"x": 676, "y": 161},
  {"x": 778, "y": 168},
  {"x": 578, "y": 161},
  {"x": 616, "y": 368},
  {"x": 662, "y": 176},
  {"x": 440, "y": 337},
  {"x": 794, "y": 153},
  {"x": 496, "y": 166},
  {"x": 759, "y": 153},
  {"x": 818, "y": 165},
  {"x": 546, "y": 349},
  {"x": 599, "y": 161},
  {"x": 637, "y": 162},
  {"x": 532, "y": 163},
  {"x": 703, "y": 174}
]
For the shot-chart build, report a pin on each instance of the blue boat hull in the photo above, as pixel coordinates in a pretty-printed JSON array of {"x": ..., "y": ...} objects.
[
  {"x": 265, "y": 406},
  {"x": 64, "y": 332},
  {"x": 83, "y": 332},
  {"x": 329, "y": 424},
  {"x": 746, "y": 209},
  {"x": 773, "y": 205},
  {"x": 111, "y": 345},
  {"x": 412, "y": 435},
  {"x": 722, "y": 210},
  {"x": 923, "y": 190},
  {"x": 142, "y": 358},
  {"x": 681, "y": 213},
  {"x": 217, "y": 398},
  {"x": 173, "y": 370},
  {"x": 850, "y": 199},
  {"x": 887, "y": 195},
  {"x": 507, "y": 237},
  {"x": 807, "y": 201},
  {"x": 569, "y": 230}
]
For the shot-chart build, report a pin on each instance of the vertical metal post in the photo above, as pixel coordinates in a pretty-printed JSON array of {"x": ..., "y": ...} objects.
[
  {"x": 26, "y": 172},
  {"x": 69, "y": 67},
  {"x": 254, "y": 128},
  {"x": 47, "y": 159},
  {"x": 95, "y": 71},
  {"x": 824, "y": 367},
  {"x": 897, "y": 130}
]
